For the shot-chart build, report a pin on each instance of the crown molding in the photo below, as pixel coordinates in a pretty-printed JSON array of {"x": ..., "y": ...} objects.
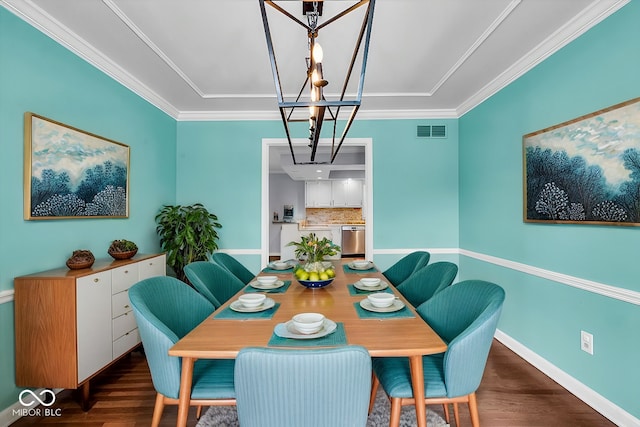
[
  {"x": 593, "y": 15},
  {"x": 43, "y": 22},
  {"x": 274, "y": 115},
  {"x": 39, "y": 19}
]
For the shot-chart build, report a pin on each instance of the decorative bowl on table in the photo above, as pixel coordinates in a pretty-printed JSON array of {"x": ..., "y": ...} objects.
[
  {"x": 314, "y": 275},
  {"x": 315, "y": 284}
]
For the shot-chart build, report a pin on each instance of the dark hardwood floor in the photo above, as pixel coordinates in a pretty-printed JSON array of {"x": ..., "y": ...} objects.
[{"x": 512, "y": 394}]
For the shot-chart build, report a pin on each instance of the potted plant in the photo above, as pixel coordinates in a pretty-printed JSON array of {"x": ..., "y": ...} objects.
[
  {"x": 187, "y": 234},
  {"x": 314, "y": 273},
  {"x": 122, "y": 249}
]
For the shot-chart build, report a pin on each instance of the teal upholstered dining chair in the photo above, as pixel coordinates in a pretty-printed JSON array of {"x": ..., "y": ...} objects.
[
  {"x": 213, "y": 281},
  {"x": 465, "y": 315},
  {"x": 406, "y": 266},
  {"x": 326, "y": 387},
  {"x": 234, "y": 266},
  {"x": 166, "y": 309},
  {"x": 428, "y": 281}
]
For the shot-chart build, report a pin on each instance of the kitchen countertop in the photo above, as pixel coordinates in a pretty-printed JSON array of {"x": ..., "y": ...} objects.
[{"x": 305, "y": 226}]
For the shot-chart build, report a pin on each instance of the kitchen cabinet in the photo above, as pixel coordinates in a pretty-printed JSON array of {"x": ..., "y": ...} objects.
[
  {"x": 346, "y": 193},
  {"x": 72, "y": 324},
  {"x": 318, "y": 194},
  {"x": 333, "y": 194}
]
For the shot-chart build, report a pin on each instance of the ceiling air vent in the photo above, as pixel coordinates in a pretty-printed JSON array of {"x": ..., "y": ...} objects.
[{"x": 432, "y": 131}]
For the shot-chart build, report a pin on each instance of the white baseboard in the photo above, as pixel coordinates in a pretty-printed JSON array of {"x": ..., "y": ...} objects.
[{"x": 613, "y": 412}]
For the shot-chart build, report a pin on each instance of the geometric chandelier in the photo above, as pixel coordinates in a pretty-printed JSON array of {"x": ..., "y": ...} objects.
[{"x": 315, "y": 101}]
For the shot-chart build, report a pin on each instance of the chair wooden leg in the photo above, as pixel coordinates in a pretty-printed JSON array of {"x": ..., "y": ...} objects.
[
  {"x": 473, "y": 410},
  {"x": 374, "y": 390},
  {"x": 456, "y": 414},
  {"x": 445, "y": 407},
  {"x": 198, "y": 412},
  {"x": 396, "y": 409},
  {"x": 157, "y": 410}
]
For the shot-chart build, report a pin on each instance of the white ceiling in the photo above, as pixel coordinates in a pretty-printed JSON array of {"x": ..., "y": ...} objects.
[{"x": 207, "y": 59}]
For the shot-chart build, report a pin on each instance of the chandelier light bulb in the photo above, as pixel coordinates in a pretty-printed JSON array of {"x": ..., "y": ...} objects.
[
  {"x": 315, "y": 76},
  {"x": 317, "y": 53}
]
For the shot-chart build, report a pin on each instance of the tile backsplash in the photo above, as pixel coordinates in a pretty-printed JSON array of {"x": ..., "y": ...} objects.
[{"x": 334, "y": 216}]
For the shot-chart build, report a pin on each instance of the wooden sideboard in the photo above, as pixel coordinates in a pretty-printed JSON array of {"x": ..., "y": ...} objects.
[{"x": 72, "y": 324}]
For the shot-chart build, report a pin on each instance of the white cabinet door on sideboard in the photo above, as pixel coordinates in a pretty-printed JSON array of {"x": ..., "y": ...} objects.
[
  {"x": 71, "y": 324},
  {"x": 93, "y": 320}
]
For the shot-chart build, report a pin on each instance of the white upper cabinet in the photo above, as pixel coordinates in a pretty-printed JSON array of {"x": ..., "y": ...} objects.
[
  {"x": 334, "y": 194},
  {"x": 318, "y": 194},
  {"x": 347, "y": 193}
]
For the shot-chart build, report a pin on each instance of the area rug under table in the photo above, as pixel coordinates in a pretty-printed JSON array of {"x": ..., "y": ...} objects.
[{"x": 226, "y": 416}]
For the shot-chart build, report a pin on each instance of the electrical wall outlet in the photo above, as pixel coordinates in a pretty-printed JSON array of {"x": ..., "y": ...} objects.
[{"x": 586, "y": 342}]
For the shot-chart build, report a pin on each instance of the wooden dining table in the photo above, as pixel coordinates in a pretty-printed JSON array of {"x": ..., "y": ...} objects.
[{"x": 382, "y": 334}]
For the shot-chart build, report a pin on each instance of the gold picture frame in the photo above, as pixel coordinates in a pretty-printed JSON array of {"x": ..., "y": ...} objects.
[{"x": 71, "y": 173}]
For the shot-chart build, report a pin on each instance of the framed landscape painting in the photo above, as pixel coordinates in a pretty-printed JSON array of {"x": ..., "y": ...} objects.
[
  {"x": 70, "y": 173},
  {"x": 587, "y": 170}
]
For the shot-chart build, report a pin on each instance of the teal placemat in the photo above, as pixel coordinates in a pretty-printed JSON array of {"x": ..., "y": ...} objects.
[
  {"x": 274, "y": 271},
  {"x": 355, "y": 291},
  {"x": 280, "y": 290},
  {"x": 366, "y": 314},
  {"x": 348, "y": 270},
  {"x": 337, "y": 337},
  {"x": 230, "y": 314}
]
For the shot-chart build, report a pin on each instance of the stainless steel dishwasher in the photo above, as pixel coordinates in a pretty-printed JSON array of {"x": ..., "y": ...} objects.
[{"x": 353, "y": 240}]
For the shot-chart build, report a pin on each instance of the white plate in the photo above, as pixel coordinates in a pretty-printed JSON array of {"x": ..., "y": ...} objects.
[
  {"x": 287, "y": 330},
  {"x": 397, "y": 305},
  {"x": 352, "y": 266},
  {"x": 275, "y": 267},
  {"x": 258, "y": 285},
  {"x": 380, "y": 286},
  {"x": 266, "y": 305}
]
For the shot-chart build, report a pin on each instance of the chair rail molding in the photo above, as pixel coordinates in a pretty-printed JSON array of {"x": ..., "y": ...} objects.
[
  {"x": 621, "y": 294},
  {"x": 610, "y": 291},
  {"x": 6, "y": 296}
]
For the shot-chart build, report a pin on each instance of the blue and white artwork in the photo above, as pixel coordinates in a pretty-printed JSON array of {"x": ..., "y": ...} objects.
[
  {"x": 586, "y": 170},
  {"x": 73, "y": 174}
]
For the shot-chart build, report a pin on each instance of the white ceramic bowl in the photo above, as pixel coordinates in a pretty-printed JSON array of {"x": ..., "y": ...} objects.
[
  {"x": 360, "y": 264},
  {"x": 252, "y": 300},
  {"x": 267, "y": 280},
  {"x": 381, "y": 299},
  {"x": 281, "y": 265},
  {"x": 308, "y": 323},
  {"x": 370, "y": 281}
]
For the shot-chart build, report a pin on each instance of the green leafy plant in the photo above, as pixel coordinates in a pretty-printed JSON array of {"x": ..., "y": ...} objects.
[
  {"x": 314, "y": 249},
  {"x": 187, "y": 234},
  {"x": 122, "y": 245}
]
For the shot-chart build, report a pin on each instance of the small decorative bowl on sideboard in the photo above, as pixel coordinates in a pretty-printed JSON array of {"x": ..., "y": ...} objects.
[{"x": 123, "y": 255}]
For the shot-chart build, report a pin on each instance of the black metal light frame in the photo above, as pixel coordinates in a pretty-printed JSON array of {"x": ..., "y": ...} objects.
[{"x": 322, "y": 105}]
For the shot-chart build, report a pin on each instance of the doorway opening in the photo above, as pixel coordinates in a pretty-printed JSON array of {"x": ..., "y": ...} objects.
[{"x": 275, "y": 155}]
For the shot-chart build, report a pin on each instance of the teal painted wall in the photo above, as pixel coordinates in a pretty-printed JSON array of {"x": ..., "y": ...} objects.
[
  {"x": 415, "y": 181},
  {"x": 597, "y": 70},
  {"x": 465, "y": 191},
  {"x": 39, "y": 75}
]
